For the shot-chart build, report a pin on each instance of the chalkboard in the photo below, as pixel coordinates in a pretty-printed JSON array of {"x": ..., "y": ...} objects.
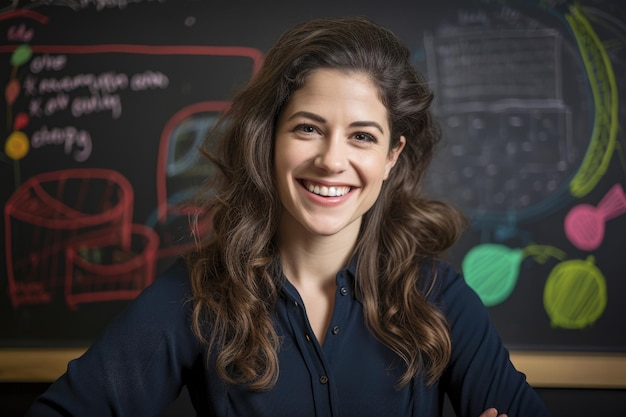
[{"x": 106, "y": 101}]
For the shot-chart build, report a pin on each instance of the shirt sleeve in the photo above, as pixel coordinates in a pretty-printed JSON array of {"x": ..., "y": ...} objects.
[
  {"x": 136, "y": 367},
  {"x": 480, "y": 374}
]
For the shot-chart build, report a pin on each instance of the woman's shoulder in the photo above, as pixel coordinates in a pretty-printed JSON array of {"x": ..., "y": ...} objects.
[
  {"x": 441, "y": 281},
  {"x": 437, "y": 273},
  {"x": 172, "y": 283},
  {"x": 166, "y": 300}
]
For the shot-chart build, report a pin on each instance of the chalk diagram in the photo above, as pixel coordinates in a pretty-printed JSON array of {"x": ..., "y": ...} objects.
[
  {"x": 71, "y": 231},
  {"x": 520, "y": 146}
]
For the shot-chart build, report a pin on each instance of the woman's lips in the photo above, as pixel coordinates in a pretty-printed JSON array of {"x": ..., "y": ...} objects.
[{"x": 326, "y": 190}]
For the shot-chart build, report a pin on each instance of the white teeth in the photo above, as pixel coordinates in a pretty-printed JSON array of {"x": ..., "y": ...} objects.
[{"x": 327, "y": 191}]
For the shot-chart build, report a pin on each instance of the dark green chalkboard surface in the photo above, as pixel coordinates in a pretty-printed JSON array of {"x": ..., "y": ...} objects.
[{"x": 106, "y": 101}]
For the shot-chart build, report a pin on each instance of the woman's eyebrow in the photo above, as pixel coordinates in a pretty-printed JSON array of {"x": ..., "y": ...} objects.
[
  {"x": 368, "y": 124},
  {"x": 320, "y": 119},
  {"x": 307, "y": 115}
]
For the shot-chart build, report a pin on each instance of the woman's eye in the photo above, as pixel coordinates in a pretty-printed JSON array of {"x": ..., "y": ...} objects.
[
  {"x": 364, "y": 137},
  {"x": 306, "y": 128}
]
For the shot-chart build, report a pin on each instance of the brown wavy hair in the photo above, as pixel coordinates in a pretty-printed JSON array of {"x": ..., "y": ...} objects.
[{"x": 235, "y": 271}]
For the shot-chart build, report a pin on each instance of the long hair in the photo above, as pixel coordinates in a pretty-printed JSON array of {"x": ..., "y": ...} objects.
[{"x": 233, "y": 269}]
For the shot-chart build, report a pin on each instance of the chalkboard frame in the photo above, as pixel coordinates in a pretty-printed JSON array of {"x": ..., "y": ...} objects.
[{"x": 543, "y": 369}]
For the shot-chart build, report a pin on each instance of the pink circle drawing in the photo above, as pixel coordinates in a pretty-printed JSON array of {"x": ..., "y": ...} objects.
[{"x": 584, "y": 224}]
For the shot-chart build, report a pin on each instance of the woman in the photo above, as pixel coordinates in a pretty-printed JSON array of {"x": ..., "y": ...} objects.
[{"x": 318, "y": 291}]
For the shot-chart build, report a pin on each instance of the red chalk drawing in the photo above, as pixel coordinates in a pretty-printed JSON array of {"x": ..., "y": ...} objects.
[
  {"x": 60, "y": 211},
  {"x": 69, "y": 233},
  {"x": 100, "y": 269},
  {"x": 172, "y": 164},
  {"x": 584, "y": 224}
]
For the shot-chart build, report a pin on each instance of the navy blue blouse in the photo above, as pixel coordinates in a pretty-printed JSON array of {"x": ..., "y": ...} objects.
[{"x": 140, "y": 363}]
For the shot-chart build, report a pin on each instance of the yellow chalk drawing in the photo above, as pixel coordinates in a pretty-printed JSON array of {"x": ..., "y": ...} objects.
[
  {"x": 575, "y": 294},
  {"x": 492, "y": 270},
  {"x": 541, "y": 253},
  {"x": 605, "y": 98},
  {"x": 17, "y": 145}
]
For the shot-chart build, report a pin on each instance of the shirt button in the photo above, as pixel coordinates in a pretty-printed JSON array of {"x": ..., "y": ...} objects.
[
  {"x": 343, "y": 291},
  {"x": 335, "y": 329},
  {"x": 323, "y": 379},
  {"x": 307, "y": 337}
]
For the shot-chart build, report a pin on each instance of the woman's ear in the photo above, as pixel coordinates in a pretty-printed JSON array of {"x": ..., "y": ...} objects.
[{"x": 394, "y": 154}]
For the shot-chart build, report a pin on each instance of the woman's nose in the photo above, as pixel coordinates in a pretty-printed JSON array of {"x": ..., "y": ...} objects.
[{"x": 332, "y": 155}]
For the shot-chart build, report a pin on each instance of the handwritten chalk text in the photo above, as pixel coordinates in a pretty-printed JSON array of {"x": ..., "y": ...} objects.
[
  {"x": 47, "y": 62},
  {"x": 69, "y": 137},
  {"x": 97, "y": 103}
]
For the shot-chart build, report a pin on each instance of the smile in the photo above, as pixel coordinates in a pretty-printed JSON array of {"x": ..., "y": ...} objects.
[{"x": 326, "y": 191}]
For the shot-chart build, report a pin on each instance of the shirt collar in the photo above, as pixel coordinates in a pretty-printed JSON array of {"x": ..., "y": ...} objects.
[{"x": 345, "y": 276}]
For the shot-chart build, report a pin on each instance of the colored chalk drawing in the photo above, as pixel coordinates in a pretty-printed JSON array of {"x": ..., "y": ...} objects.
[
  {"x": 605, "y": 96},
  {"x": 492, "y": 270},
  {"x": 575, "y": 294},
  {"x": 520, "y": 147},
  {"x": 70, "y": 232},
  {"x": 585, "y": 224},
  {"x": 17, "y": 144}
]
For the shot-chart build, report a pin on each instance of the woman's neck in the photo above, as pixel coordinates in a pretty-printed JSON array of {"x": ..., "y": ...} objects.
[{"x": 310, "y": 260}]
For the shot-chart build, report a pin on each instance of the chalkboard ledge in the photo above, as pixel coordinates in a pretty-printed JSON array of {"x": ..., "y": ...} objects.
[{"x": 543, "y": 369}]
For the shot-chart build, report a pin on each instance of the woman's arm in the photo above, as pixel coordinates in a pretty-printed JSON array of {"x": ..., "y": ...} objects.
[
  {"x": 136, "y": 367},
  {"x": 480, "y": 375}
]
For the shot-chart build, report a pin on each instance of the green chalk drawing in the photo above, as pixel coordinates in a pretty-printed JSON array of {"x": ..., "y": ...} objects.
[
  {"x": 492, "y": 271},
  {"x": 605, "y": 96},
  {"x": 21, "y": 55},
  {"x": 575, "y": 294}
]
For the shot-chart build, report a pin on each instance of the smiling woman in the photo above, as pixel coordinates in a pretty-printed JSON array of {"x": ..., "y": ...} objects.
[
  {"x": 332, "y": 154},
  {"x": 321, "y": 280}
]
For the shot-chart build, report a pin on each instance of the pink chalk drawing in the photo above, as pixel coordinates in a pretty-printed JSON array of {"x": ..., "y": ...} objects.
[
  {"x": 585, "y": 224},
  {"x": 80, "y": 236}
]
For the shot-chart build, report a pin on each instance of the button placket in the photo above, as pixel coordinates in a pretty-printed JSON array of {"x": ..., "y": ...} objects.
[{"x": 312, "y": 357}]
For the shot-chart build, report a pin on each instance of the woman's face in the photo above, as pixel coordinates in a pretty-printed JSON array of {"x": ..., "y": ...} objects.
[{"x": 332, "y": 153}]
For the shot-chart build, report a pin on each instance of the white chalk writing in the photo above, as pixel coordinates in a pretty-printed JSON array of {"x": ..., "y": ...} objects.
[
  {"x": 106, "y": 82},
  {"x": 56, "y": 104},
  {"x": 104, "y": 89},
  {"x": 97, "y": 103},
  {"x": 83, "y": 4},
  {"x": 47, "y": 63},
  {"x": 106, "y": 4},
  {"x": 148, "y": 80},
  {"x": 69, "y": 137}
]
